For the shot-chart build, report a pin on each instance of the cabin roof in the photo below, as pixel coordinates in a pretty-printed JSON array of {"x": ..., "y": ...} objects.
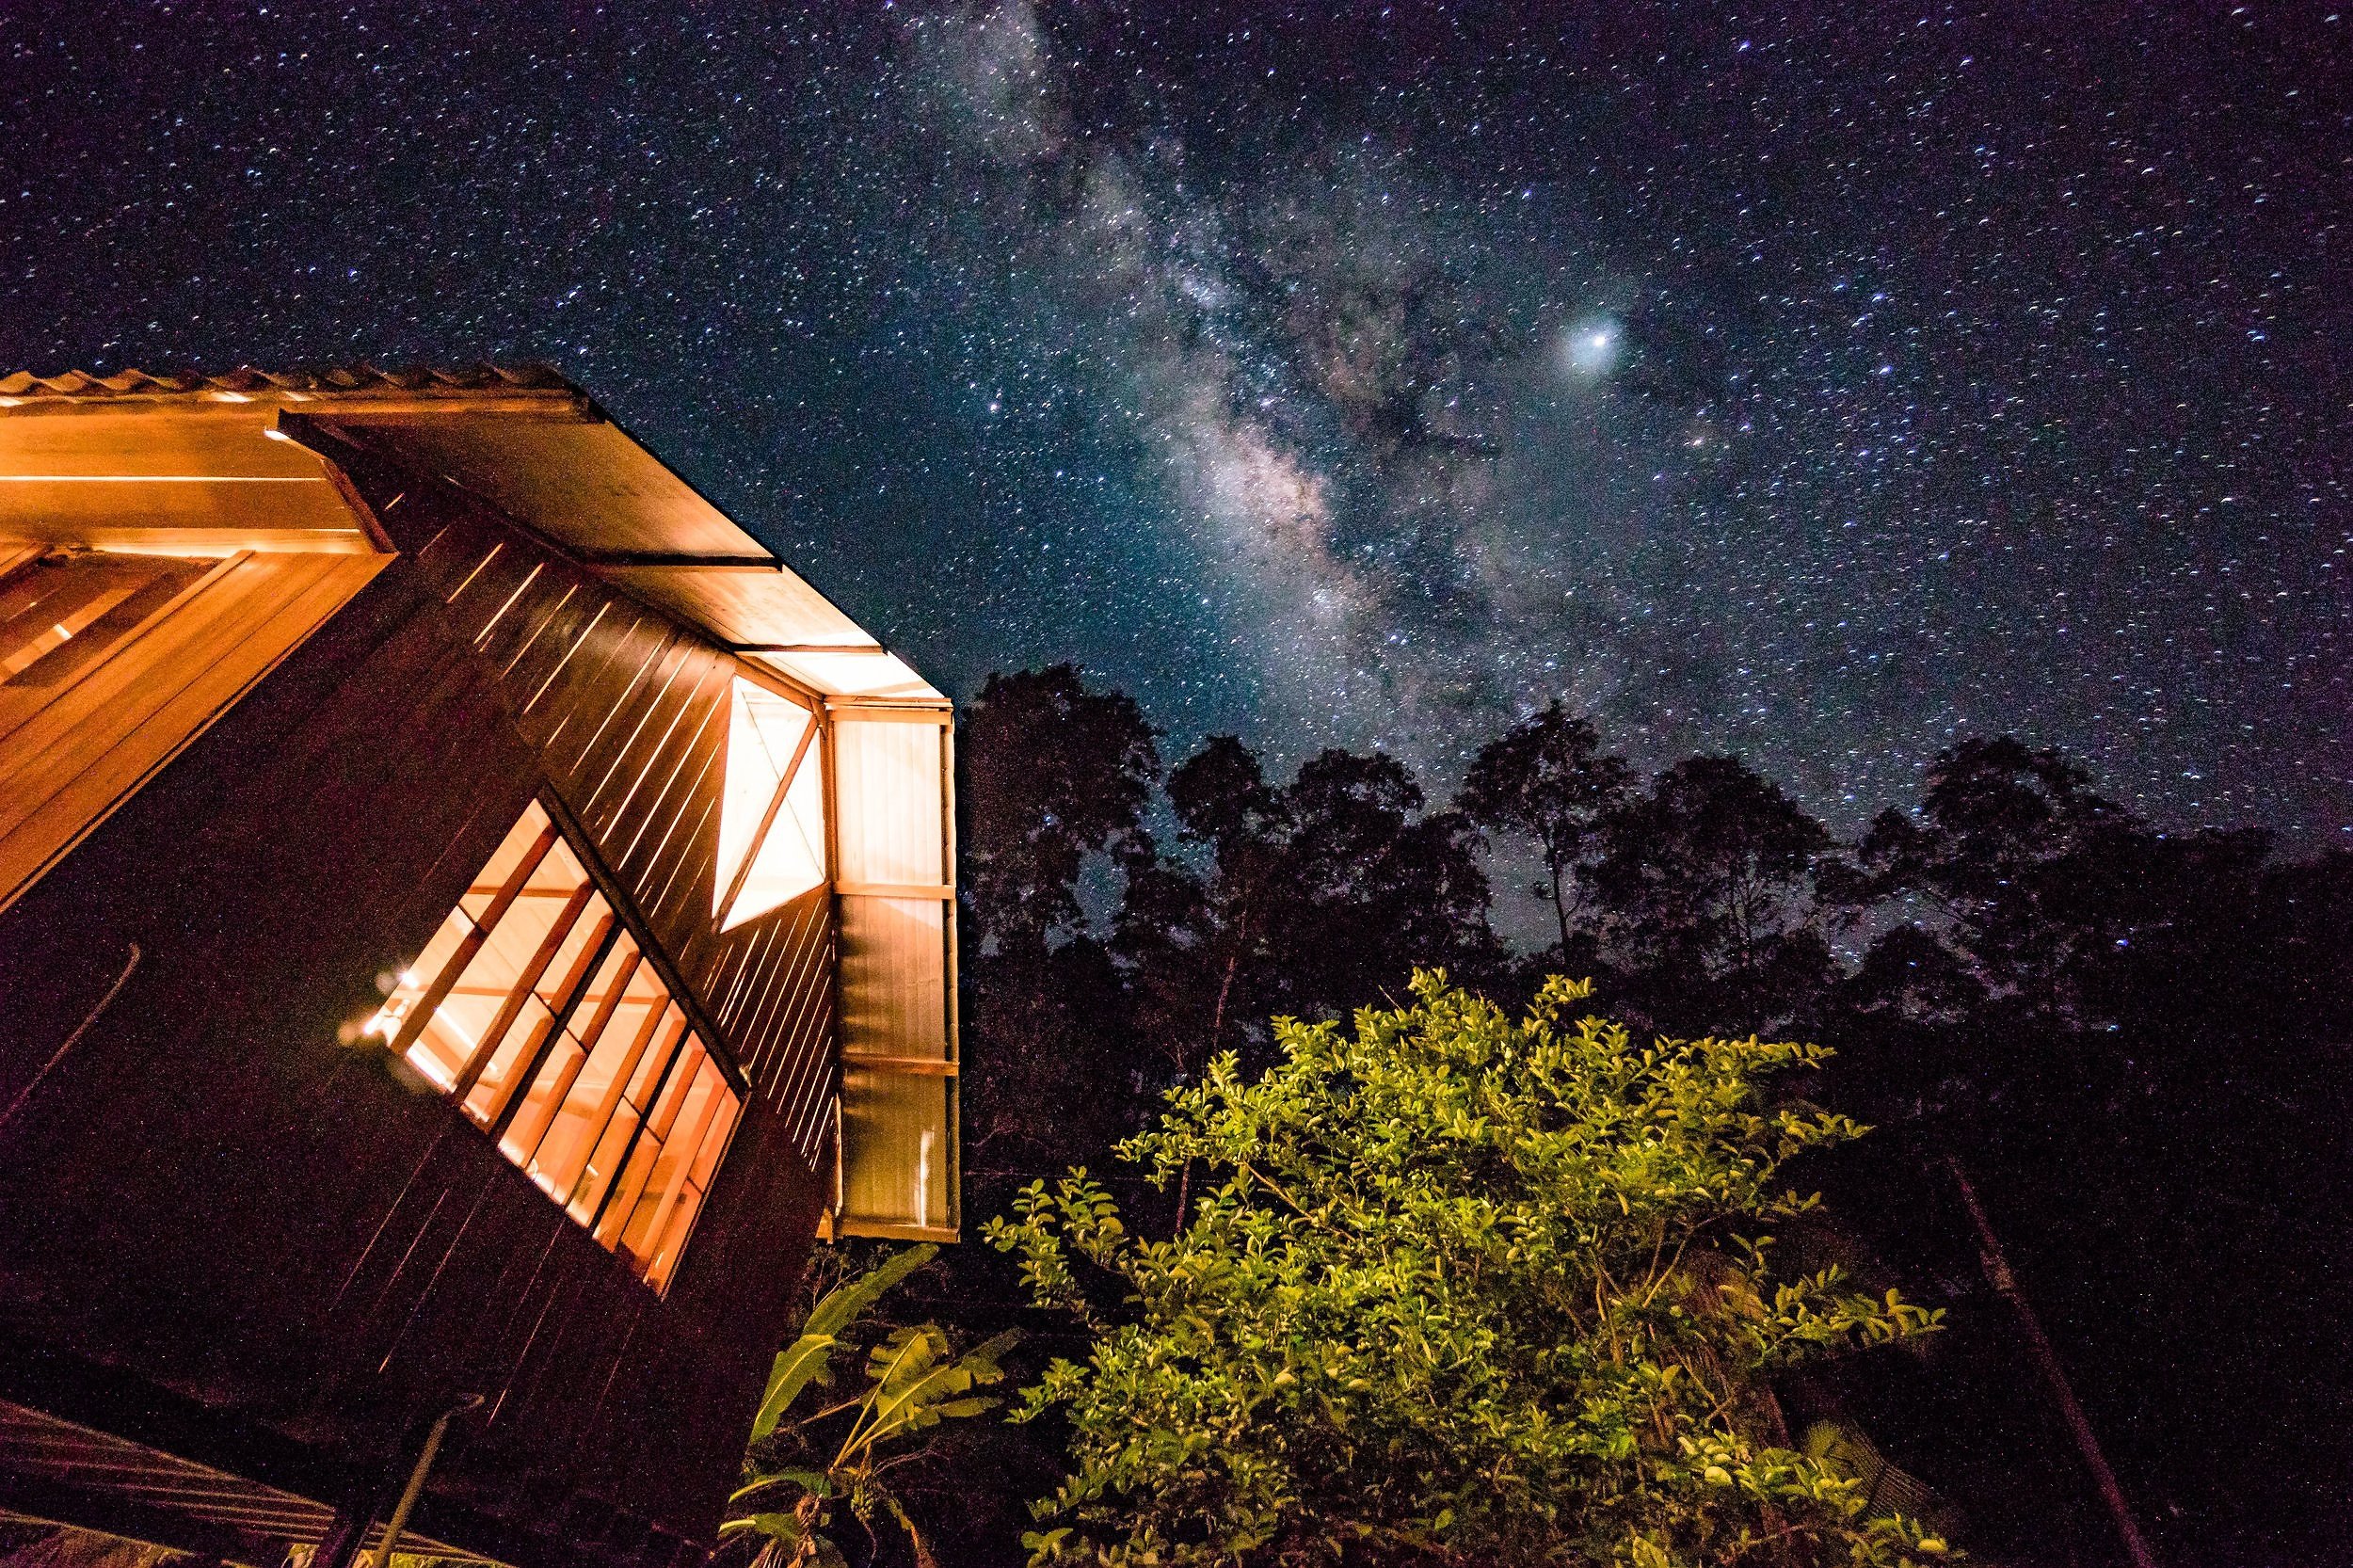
[{"x": 182, "y": 448}]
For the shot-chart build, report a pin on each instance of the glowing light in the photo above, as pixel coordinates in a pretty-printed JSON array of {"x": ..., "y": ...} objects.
[{"x": 1593, "y": 347}]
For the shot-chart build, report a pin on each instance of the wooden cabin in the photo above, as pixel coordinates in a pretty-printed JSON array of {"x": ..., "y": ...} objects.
[{"x": 469, "y": 917}]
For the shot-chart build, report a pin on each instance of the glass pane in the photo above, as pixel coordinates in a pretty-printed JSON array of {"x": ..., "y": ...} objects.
[
  {"x": 623, "y": 1205},
  {"x": 567, "y": 972},
  {"x": 681, "y": 1225},
  {"x": 657, "y": 1206},
  {"x": 419, "y": 977},
  {"x": 548, "y": 1088},
  {"x": 449, "y": 1038},
  {"x": 617, "y": 1081},
  {"x": 516, "y": 1047},
  {"x": 763, "y": 732},
  {"x": 618, "y": 1018},
  {"x": 503, "y": 862},
  {"x": 715, "y": 1144},
  {"x": 674, "y": 1089},
  {"x": 589, "y": 1188},
  {"x": 790, "y": 860},
  {"x": 674, "y": 1234},
  {"x": 651, "y": 1070}
]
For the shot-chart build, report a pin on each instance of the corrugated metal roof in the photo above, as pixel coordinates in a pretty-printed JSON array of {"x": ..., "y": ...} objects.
[
  {"x": 45, "y": 1460},
  {"x": 249, "y": 380}
]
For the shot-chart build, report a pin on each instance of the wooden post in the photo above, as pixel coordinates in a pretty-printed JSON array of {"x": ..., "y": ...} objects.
[
  {"x": 1998, "y": 1274},
  {"x": 423, "y": 1468}
]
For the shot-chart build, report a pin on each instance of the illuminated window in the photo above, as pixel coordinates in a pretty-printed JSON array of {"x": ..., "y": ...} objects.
[
  {"x": 60, "y": 612},
  {"x": 772, "y": 823},
  {"x": 535, "y": 1010}
]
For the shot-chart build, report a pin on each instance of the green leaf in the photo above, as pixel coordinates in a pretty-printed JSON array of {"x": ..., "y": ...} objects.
[{"x": 806, "y": 1359}]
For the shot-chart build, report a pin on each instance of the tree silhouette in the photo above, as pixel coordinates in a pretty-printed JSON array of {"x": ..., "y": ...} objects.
[
  {"x": 2009, "y": 844},
  {"x": 1302, "y": 900},
  {"x": 1547, "y": 779},
  {"x": 1704, "y": 884},
  {"x": 1053, "y": 774}
]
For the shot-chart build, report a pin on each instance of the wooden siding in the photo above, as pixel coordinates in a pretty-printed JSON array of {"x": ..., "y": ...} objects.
[
  {"x": 86, "y": 752},
  {"x": 200, "y": 1190},
  {"x": 629, "y": 713}
]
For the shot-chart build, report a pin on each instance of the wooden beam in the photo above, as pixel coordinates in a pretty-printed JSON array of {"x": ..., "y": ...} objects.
[
  {"x": 886, "y": 1232},
  {"x": 895, "y": 889},
  {"x": 854, "y": 711},
  {"x": 916, "y": 1067},
  {"x": 876, "y": 649},
  {"x": 671, "y": 559}
]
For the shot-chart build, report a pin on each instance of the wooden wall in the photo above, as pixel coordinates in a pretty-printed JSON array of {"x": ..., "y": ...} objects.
[
  {"x": 78, "y": 756},
  {"x": 202, "y": 1191}
]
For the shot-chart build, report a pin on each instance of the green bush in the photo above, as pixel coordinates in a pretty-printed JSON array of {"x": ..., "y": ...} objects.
[{"x": 1459, "y": 1290}]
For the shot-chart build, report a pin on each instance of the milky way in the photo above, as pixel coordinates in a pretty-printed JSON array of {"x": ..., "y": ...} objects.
[{"x": 1821, "y": 390}]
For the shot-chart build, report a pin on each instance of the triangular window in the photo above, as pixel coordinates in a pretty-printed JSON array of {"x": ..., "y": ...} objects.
[{"x": 772, "y": 823}]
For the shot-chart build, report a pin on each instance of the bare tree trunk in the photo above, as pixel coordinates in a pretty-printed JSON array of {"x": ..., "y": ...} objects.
[
  {"x": 1998, "y": 1274},
  {"x": 1559, "y": 903},
  {"x": 1217, "y": 1026}
]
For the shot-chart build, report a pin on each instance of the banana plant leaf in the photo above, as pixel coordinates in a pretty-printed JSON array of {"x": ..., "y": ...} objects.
[{"x": 809, "y": 1359}]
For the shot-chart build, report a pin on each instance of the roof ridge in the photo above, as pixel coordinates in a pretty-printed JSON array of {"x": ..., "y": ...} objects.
[{"x": 366, "y": 376}]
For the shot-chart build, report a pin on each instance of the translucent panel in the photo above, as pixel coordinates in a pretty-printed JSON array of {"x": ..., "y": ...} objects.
[
  {"x": 896, "y": 1160},
  {"x": 871, "y": 673},
  {"x": 894, "y": 977},
  {"x": 888, "y": 790},
  {"x": 790, "y": 860}
]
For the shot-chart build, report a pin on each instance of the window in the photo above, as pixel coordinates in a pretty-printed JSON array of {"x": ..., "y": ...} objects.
[
  {"x": 537, "y": 1012},
  {"x": 772, "y": 820}
]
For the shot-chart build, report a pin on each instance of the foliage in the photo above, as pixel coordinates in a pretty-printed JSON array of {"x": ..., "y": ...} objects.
[
  {"x": 801, "y": 1462},
  {"x": 2150, "y": 1021},
  {"x": 1547, "y": 777},
  {"x": 1314, "y": 896},
  {"x": 1466, "y": 1290},
  {"x": 1705, "y": 880}
]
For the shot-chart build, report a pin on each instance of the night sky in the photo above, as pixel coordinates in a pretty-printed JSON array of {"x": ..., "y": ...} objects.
[{"x": 1821, "y": 386}]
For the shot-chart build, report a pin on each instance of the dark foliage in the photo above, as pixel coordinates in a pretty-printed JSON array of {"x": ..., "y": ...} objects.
[
  {"x": 1547, "y": 778},
  {"x": 2138, "y": 1040}
]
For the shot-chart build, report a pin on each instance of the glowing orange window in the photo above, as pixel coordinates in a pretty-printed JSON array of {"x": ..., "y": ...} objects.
[{"x": 535, "y": 1010}]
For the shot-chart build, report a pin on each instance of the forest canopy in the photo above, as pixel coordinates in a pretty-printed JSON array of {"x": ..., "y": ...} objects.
[{"x": 2134, "y": 1036}]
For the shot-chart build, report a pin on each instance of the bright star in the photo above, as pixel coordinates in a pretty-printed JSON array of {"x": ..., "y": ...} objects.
[{"x": 1591, "y": 348}]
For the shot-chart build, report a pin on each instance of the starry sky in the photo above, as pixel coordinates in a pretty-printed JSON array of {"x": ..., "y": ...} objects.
[{"x": 1822, "y": 386}]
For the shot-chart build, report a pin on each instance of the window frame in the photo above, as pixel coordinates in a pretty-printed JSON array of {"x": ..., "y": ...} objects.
[
  {"x": 607, "y": 1222},
  {"x": 814, "y": 750}
]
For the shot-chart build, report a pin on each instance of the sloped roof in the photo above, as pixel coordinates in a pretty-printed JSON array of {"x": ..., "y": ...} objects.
[
  {"x": 248, "y": 380},
  {"x": 523, "y": 438}
]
